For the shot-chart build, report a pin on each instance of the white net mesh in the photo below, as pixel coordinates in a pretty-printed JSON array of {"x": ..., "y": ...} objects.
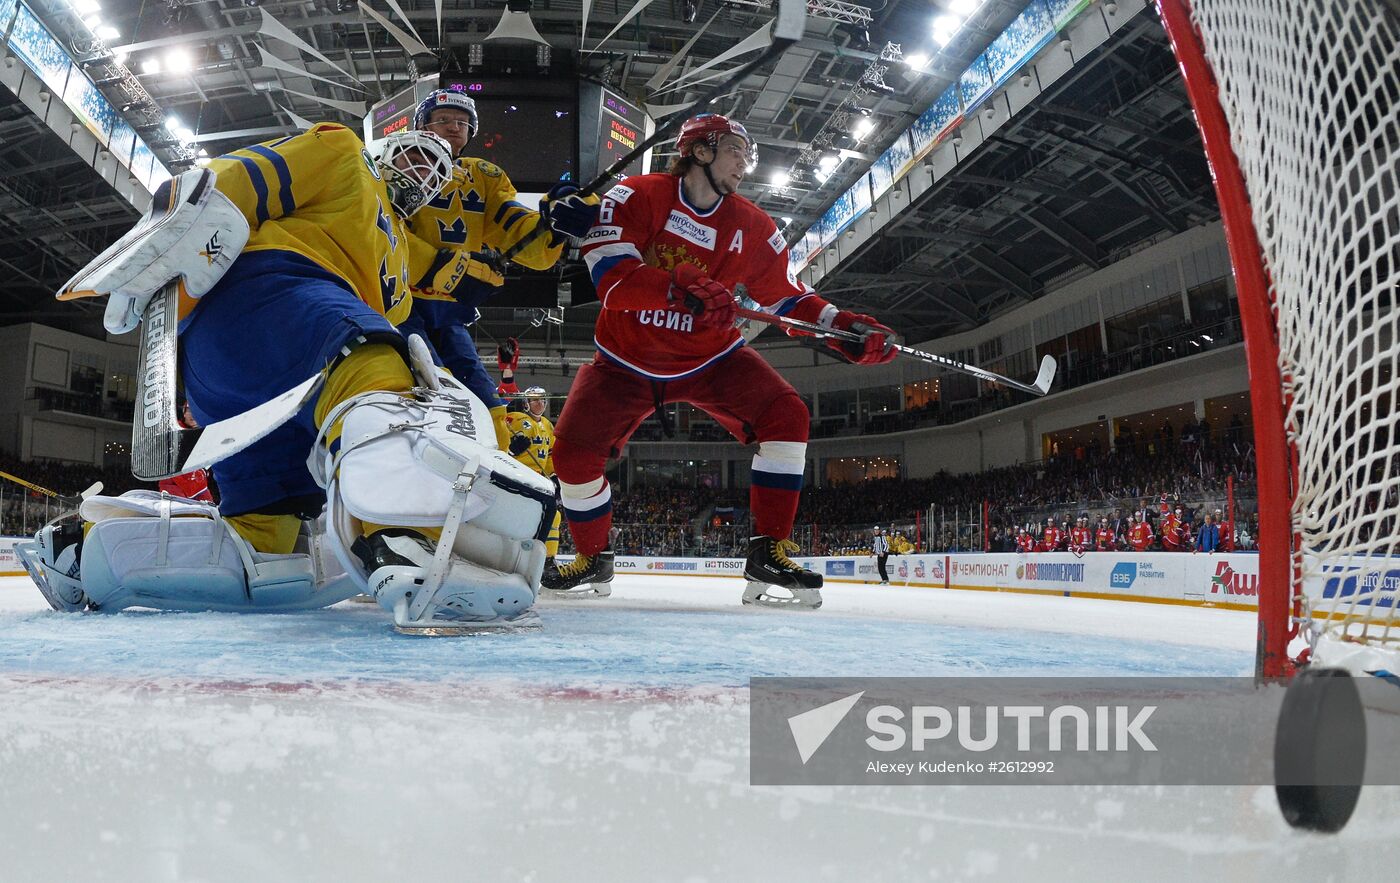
[{"x": 1311, "y": 90}]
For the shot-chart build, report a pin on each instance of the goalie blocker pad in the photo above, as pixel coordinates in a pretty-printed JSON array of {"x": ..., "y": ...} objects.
[
  {"x": 430, "y": 461},
  {"x": 191, "y": 231},
  {"x": 147, "y": 549}
]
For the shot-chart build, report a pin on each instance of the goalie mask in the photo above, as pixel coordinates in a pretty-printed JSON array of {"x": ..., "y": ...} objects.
[{"x": 415, "y": 167}]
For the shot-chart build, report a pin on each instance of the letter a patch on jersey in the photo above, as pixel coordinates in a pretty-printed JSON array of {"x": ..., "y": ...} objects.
[
  {"x": 737, "y": 243},
  {"x": 686, "y": 227}
]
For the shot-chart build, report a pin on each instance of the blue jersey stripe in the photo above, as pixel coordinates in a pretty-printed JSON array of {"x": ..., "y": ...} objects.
[
  {"x": 510, "y": 222},
  {"x": 284, "y": 175},
  {"x": 505, "y": 206},
  {"x": 601, "y": 268},
  {"x": 255, "y": 176}
]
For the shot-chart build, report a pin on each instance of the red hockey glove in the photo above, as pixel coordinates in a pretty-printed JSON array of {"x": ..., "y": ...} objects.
[
  {"x": 508, "y": 354},
  {"x": 876, "y": 349},
  {"x": 709, "y": 302}
]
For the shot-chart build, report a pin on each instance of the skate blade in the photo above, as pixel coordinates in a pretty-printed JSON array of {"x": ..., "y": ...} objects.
[
  {"x": 363, "y": 599},
  {"x": 585, "y": 592},
  {"x": 528, "y": 621},
  {"x": 759, "y": 595}
]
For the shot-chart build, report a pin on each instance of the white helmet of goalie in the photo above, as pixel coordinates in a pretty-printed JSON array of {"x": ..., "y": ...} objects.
[{"x": 416, "y": 166}]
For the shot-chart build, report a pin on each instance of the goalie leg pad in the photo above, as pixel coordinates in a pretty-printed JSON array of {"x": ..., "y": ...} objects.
[
  {"x": 149, "y": 550},
  {"x": 428, "y": 461}
]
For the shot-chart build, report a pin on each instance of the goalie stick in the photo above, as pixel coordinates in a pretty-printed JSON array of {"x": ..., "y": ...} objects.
[
  {"x": 1040, "y": 387},
  {"x": 788, "y": 27},
  {"x": 160, "y": 446}
]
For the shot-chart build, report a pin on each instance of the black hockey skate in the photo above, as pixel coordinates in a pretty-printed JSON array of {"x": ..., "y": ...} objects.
[
  {"x": 768, "y": 567},
  {"x": 585, "y": 576}
]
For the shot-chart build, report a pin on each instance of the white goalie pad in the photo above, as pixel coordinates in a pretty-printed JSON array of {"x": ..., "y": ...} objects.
[
  {"x": 430, "y": 461},
  {"x": 191, "y": 231},
  {"x": 147, "y": 549}
]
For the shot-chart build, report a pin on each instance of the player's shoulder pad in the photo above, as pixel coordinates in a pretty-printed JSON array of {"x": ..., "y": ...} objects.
[
  {"x": 488, "y": 169},
  {"x": 334, "y": 132},
  {"x": 657, "y": 185}
]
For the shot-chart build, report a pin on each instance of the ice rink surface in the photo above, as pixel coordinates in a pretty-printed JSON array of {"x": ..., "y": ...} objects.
[{"x": 613, "y": 745}]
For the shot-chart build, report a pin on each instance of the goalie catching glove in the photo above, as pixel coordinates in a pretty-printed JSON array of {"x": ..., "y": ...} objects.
[
  {"x": 191, "y": 232},
  {"x": 709, "y": 302}
]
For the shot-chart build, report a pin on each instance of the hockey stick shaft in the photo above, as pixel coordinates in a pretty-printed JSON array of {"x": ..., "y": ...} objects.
[
  {"x": 40, "y": 489},
  {"x": 156, "y": 434},
  {"x": 1039, "y": 388},
  {"x": 787, "y": 30}
]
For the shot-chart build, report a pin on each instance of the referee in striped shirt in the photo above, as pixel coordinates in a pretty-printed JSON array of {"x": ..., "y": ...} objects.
[{"x": 881, "y": 547}]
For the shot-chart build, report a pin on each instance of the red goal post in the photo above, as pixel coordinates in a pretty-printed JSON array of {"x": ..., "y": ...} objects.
[{"x": 1297, "y": 104}]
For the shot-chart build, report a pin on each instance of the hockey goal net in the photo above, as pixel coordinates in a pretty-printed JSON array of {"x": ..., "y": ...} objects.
[{"x": 1298, "y": 102}]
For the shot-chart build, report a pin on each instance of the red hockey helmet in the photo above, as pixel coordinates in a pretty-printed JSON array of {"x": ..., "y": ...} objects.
[{"x": 706, "y": 128}]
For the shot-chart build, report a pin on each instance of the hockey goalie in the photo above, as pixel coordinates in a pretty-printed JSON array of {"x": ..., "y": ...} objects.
[{"x": 290, "y": 259}]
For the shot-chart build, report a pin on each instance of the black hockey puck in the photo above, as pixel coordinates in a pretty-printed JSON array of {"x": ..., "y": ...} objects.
[{"x": 1320, "y": 750}]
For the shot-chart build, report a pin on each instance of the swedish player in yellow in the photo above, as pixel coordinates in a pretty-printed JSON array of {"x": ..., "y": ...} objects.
[
  {"x": 532, "y": 443},
  {"x": 458, "y": 236},
  {"x": 293, "y": 258}
]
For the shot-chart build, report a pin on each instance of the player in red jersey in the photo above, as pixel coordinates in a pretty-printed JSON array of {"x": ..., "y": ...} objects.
[
  {"x": 1079, "y": 536},
  {"x": 1051, "y": 539},
  {"x": 191, "y": 485},
  {"x": 1024, "y": 541},
  {"x": 665, "y": 255},
  {"x": 1172, "y": 531},
  {"x": 1103, "y": 537},
  {"x": 1140, "y": 534}
]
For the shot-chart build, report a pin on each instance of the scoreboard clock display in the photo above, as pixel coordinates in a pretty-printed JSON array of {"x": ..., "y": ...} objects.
[{"x": 610, "y": 128}]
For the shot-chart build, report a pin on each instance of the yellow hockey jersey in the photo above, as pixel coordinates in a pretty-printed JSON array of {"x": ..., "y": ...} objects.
[
  {"x": 478, "y": 208},
  {"x": 319, "y": 194},
  {"x": 540, "y": 432}
]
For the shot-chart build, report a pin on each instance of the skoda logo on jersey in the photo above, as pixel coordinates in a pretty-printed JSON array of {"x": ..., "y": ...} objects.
[
  {"x": 686, "y": 227},
  {"x": 1124, "y": 574}
]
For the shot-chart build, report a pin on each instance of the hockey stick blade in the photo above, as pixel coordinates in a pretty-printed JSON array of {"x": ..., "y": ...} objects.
[
  {"x": 1046, "y": 375},
  {"x": 788, "y": 27},
  {"x": 227, "y": 437}
]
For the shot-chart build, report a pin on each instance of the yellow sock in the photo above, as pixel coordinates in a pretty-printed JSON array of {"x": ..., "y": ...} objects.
[
  {"x": 369, "y": 368},
  {"x": 273, "y": 534},
  {"x": 551, "y": 543}
]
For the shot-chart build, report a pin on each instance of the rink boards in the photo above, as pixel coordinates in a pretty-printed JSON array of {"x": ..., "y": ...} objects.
[
  {"x": 1220, "y": 579},
  {"x": 1229, "y": 580}
]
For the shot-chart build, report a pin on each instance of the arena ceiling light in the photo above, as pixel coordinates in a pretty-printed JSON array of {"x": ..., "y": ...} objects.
[
  {"x": 150, "y": 66},
  {"x": 781, "y": 178},
  {"x": 945, "y": 27},
  {"x": 862, "y": 128},
  {"x": 964, "y": 8},
  {"x": 107, "y": 33},
  {"x": 85, "y": 7},
  {"x": 918, "y": 61},
  {"x": 178, "y": 61}
]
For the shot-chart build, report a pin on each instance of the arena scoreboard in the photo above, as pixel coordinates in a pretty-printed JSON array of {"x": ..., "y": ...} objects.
[
  {"x": 610, "y": 128},
  {"x": 395, "y": 113}
]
